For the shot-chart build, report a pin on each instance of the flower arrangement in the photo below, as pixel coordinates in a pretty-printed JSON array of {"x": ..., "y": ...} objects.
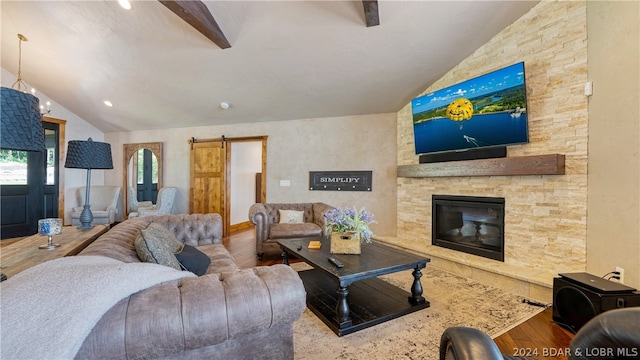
[{"x": 350, "y": 219}]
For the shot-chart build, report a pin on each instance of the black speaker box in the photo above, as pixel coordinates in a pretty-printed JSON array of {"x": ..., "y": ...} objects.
[
  {"x": 470, "y": 154},
  {"x": 575, "y": 303}
]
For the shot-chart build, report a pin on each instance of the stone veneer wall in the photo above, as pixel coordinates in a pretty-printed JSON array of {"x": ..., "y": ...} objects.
[{"x": 545, "y": 216}]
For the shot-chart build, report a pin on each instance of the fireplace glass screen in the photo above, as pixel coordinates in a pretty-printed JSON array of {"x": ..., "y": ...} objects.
[{"x": 474, "y": 225}]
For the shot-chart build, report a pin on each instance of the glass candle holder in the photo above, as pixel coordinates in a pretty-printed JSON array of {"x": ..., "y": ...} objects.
[{"x": 49, "y": 227}]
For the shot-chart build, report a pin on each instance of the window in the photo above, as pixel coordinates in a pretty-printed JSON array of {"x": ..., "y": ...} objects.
[
  {"x": 50, "y": 143},
  {"x": 13, "y": 167},
  {"x": 142, "y": 155}
]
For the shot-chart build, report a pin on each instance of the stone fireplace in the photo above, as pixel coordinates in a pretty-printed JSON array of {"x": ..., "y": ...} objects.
[
  {"x": 545, "y": 221},
  {"x": 471, "y": 224}
]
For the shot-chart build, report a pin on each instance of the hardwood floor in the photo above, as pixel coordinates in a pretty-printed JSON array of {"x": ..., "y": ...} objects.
[{"x": 538, "y": 337}]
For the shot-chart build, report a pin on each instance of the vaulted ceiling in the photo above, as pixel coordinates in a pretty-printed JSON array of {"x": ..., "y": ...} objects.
[{"x": 285, "y": 59}]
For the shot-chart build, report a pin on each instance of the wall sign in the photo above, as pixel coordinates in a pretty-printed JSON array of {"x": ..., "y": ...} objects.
[{"x": 340, "y": 180}]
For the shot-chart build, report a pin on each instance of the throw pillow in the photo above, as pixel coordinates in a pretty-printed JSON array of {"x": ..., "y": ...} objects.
[
  {"x": 291, "y": 216},
  {"x": 156, "y": 230},
  {"x": 193, "y": 260},
  {"x": 156, "y": 246}
]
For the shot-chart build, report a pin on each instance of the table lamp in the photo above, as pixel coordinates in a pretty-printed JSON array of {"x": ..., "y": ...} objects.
[
  {"x": 88, "y": 155},
  {"x": 49, "y": 227}
]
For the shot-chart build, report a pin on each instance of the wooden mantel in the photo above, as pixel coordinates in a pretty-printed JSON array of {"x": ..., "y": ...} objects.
[{"x": 551, "y": 164}]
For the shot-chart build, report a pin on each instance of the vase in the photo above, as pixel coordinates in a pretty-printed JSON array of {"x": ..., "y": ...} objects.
[
  {"x": 49, "y": 227},
  {"x": 345, "y": 243}
]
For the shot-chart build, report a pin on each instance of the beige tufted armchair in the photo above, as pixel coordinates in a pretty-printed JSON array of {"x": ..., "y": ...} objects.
[{"x": 270, "y": 227}]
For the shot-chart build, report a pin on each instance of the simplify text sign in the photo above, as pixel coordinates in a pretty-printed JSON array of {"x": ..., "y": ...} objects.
[{"x": 340, "y": 180}]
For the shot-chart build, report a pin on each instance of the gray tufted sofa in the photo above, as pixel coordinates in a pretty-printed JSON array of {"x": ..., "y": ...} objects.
[
  {"x": 266, "y": 218},
  {"x": 228, "y": 313}
]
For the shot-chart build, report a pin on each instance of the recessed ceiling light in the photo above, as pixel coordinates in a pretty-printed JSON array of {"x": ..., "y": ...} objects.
[
  {"x": 125, "y": 4},
  {"x": 108, "y": 103}
]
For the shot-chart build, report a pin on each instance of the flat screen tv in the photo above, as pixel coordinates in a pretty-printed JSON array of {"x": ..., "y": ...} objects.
[{"x": 486, "y": 111}]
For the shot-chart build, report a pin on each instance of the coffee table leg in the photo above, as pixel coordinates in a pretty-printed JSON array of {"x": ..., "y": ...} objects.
[
  {"x": 416, "y": 289},
  {"x": 342, "y": 308},
  {"x": 285, "y": 257}
]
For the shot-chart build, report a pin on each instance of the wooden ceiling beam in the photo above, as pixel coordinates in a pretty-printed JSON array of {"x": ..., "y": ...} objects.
[
  {"x": 371, "y": 16},
  {"x": 196, "y": 14}
]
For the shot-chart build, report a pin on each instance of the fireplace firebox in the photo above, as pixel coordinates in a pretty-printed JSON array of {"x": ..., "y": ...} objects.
[{"x": 471, "y": 224}]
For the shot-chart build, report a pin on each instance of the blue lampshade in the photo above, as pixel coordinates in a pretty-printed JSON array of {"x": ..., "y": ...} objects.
[
  {"x": 88, "y": 154},
  {"x": 21, "y": 121}
]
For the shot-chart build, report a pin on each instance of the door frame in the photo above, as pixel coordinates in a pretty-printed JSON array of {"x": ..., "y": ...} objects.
[
  {"x": 127, "y": 152},
  {"x": 227, "y": 175},
  {"x": 62, "y": 152}
]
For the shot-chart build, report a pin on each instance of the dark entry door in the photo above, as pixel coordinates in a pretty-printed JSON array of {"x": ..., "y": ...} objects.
[
  {"x": 29, "y": 186},
  {"x": 147, "y": 176},
  {"x": 22, "y": 192}
]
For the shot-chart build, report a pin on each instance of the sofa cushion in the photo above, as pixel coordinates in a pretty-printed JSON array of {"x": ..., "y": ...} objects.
[
  {"x": 156, "y": 245},
  {"x": 221, "y": 260},
  {"x": 273, "y": 211},
  {"x": 291, "y": 216},
  {"x": 193, "y": 260},
  {"x": 290, "y": 231}
]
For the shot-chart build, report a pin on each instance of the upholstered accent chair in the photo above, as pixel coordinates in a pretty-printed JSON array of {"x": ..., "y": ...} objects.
[
  {"x": 104, "y": 202},
  {"x": 134, "y": 204},
  {"x": 163, "y": 206},
  {"x": 286, "y": 221}
]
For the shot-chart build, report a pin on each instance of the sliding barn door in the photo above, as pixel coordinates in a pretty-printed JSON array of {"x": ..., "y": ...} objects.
[{"x": 208, "y": 179}]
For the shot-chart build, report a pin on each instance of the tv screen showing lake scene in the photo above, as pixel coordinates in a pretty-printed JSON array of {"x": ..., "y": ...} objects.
[{"x": 489, "y": 110}]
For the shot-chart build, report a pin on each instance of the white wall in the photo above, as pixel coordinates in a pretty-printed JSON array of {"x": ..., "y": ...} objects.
[
  {"x": 76, "y": 129},
  {"x": 294, "y": 148},
  {"x": 613, "y": 230},
  {"x": 246, "y": 161}
]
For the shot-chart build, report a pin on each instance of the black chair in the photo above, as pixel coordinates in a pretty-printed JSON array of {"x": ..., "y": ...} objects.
[{"x": 614, "y": 334}]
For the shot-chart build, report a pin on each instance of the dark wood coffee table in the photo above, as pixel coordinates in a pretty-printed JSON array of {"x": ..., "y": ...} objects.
[{"x": 352, "y": 298}]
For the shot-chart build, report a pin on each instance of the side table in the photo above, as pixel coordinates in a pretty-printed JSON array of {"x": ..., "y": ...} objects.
[{"x": 24, "y": 253}]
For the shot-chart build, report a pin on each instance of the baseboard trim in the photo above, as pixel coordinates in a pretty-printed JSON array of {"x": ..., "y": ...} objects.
[{"x": 240, "y": 226}]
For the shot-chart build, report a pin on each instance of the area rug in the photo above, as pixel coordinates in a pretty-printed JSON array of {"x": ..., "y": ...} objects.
[{"x": 455, "y": 301}]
